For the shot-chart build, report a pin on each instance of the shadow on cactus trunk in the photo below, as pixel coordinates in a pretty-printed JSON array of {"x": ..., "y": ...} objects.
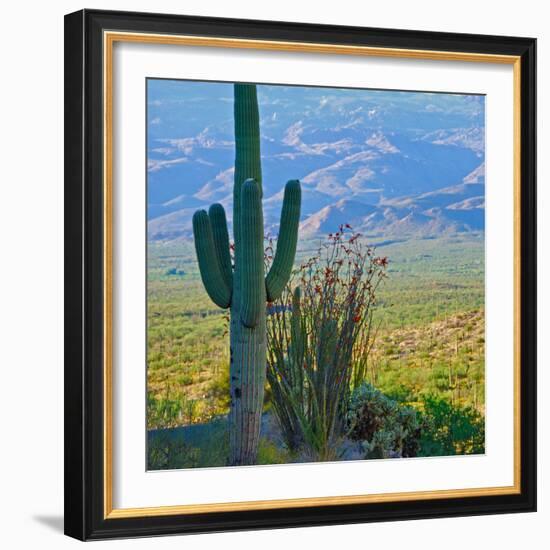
[
  {"x": 244, "y": 287},
  {"x": 319, "y": 338}
]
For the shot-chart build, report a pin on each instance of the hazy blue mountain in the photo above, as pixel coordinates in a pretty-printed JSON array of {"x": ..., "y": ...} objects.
[{"x": 384, "y": 161}]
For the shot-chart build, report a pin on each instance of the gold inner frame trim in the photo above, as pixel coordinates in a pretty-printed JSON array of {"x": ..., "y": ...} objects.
[{"x": 109, "y": 39}]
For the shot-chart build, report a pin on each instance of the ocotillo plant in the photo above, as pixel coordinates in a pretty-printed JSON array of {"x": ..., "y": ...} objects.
[
  {"x": 244, "y": 287},
  {"x": 319, "y": 339}
]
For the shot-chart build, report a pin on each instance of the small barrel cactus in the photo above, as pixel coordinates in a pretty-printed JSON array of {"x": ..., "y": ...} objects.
[{"x": 245, "y": 288}]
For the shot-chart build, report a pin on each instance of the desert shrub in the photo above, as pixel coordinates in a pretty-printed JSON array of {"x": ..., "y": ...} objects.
[
  {"x": 319, "y": 339},
  {"x": 450, "y": 430},
  {"x": 270, "y": 453},
  {"x": 197, "y": 446},
  {"x": 171, "y": 409},
  {"x": 386, "y": 428},
  {"x": 166, "y": 453},
  {"x": 163, "y": 412},
  {"x": 400, "y": 393},
  {"x": 218, "y": 386},
  {"x": 185, "y": 379}
]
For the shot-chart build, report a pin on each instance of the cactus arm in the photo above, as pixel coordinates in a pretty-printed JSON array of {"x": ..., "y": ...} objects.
[
  {"x": 209, "y": 267},
  {"x": 252, "y": 254},
  {"x": 216, "y": 213},
  {"x": 278, "y": 275}
]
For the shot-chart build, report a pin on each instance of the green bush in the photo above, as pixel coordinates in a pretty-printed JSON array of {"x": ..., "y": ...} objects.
[
  {"x": 385, "y": 428},
  {"x": 449, "y": 430},
  {"x": 197, "y": 446},
  {"x": 166, "y": 453},
  {"x": 270, "y": 453},
  {"x": 170, "y": 411}
]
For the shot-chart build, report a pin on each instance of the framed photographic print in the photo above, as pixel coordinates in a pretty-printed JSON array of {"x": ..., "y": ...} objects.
[{"x": 300, "y": 274}]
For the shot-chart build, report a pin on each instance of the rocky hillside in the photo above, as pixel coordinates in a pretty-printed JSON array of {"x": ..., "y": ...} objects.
[{"x": 385, "y": 162}]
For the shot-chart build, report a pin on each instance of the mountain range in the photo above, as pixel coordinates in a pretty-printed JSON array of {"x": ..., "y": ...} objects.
[{"x": 387, "y": 163}]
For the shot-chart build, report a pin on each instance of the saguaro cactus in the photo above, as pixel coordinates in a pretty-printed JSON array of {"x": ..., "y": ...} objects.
[{"x": 245, "y": 288}]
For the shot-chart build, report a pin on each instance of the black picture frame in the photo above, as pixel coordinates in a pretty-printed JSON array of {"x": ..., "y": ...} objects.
[{"x": 84, "y": 282}]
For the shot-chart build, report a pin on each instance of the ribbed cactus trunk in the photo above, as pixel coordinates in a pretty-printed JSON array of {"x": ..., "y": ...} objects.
[
  {"x": 247, "y": 373},
  {"x": 245, "y": 288},
  {"x": 247, "y": 343}
]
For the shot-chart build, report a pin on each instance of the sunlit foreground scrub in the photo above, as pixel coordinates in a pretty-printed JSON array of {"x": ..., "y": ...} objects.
[
  {"x": 377, "y": 427},
  {"x": 321, "y": 403},
  {"x": 429, "y": 340},
  {"x": 244, "y": 287}
]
